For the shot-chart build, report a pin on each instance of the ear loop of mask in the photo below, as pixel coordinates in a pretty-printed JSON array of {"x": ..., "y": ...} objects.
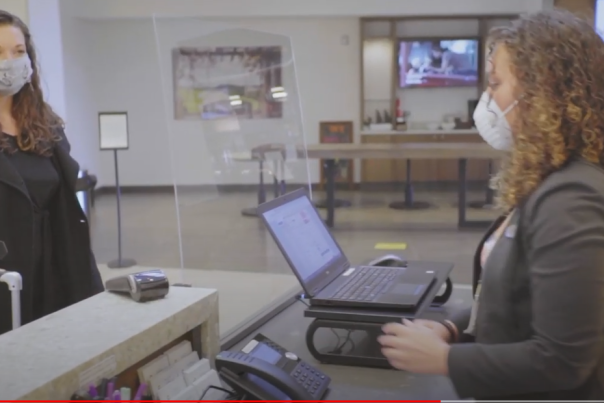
[{"x": 494, "y": 116}]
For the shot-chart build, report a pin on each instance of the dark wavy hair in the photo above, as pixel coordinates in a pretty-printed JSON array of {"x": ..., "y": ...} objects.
[
  {"x": 37, "y": 122},
  {"x": 557, "y": 59}
]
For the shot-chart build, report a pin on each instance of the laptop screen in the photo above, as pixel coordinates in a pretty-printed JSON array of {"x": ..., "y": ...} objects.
[{"x": 308, "y": 245}]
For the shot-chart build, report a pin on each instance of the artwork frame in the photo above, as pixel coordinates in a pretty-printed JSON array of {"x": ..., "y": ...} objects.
[{"x": 252, "y": 89}]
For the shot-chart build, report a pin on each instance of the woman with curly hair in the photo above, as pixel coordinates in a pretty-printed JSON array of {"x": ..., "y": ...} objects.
[
  {"x": 536, "y": 329},
  {"x": 41, "y": 221}
]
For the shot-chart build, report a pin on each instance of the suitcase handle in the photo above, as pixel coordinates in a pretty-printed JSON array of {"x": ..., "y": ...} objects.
[
  {"x": 12, "y": 279},
  {"x": 15, "y": 285}
]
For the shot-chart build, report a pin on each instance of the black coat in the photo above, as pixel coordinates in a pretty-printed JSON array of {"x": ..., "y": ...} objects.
[{"x": 72, "y": 257}]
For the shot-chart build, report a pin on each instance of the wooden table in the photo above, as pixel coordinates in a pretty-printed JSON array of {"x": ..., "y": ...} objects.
[{"x": 461, "y": 152}]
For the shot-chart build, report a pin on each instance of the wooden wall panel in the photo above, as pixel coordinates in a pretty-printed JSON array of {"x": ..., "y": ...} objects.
[
  {"x": 583, "y": 8},
  {"x": 390, "y": 171}
]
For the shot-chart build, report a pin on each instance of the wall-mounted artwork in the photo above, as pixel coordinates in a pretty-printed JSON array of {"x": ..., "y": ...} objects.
[{"x": 220, "y": 82}]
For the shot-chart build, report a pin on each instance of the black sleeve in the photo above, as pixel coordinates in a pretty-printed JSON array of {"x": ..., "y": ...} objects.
[
  {"x": 97, "y": 281},
  {"x": 564, "y": 244},
  {"x": 461, "y": 320}
]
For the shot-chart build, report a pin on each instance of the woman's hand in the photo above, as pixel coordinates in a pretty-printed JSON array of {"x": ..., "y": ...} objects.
[
  {"x": 414, "y": 347},
  {"x": 438, "y": 328}
]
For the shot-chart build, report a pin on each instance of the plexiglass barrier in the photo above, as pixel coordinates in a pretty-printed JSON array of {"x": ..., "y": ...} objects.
[{"x": 233, "y": 125}]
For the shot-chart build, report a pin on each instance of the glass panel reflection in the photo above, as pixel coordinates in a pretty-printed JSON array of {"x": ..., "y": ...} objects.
[{"x": 234, "y": 129}]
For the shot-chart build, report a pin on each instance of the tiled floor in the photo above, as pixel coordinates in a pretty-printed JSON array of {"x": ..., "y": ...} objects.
[{"x": 216, "y": 237}]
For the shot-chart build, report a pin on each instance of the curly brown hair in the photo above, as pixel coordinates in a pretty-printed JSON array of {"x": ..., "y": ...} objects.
[
  {"x": 557, "y": 59},
  {"x": 36, "y": 120}
]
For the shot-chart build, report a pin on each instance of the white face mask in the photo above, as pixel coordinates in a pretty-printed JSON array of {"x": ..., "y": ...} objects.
[
  {"x": 14, "y": 74},
  {"x": 492, "y": 124}
]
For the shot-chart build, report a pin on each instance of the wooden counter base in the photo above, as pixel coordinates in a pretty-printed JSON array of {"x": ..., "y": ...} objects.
[{"x": 383, "y": 171}]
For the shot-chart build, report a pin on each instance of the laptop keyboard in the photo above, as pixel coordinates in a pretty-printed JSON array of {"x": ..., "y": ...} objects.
[{"x": 367, "y": 285}]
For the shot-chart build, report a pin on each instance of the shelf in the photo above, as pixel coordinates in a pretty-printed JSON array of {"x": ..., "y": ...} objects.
[{"x": 418, "y": 132}]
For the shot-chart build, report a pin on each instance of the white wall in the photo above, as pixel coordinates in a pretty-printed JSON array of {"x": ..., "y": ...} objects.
[
  {"x": 377, "y": 76},
  {"x": 293, "y": 8},
  {"x": 18, "y": 7},
  {"x": 45, "y": 27},
  {"x": 80, "y": 109},
  {"x": 125, "y": 76}
]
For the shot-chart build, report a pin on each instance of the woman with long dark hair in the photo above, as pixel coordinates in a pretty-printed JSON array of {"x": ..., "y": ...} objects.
[{"x": 41, "y": 221}]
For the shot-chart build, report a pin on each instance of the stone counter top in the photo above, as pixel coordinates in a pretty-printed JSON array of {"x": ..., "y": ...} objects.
[{"x": 100, "y": 337}]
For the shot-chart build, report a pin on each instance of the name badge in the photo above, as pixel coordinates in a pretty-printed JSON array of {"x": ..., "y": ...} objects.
[{"x": 510, "y": 231}]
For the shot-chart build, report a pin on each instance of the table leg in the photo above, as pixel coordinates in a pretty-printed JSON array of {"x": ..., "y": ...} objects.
[
  {"x": 462, "y": 192},
  {"x": 489, "y": 194},
  {"x": 462, "y": 222},
  {"x": 251, "y": 211},
  {"x": 261, "y": 190},
  {"x": 337, "y": 203},
  {"x": 276, "y": 186},
  {"x": 409, "y": 203},
  {"x": 330, "y": 172},
  {"x": 282, "y": 189}
]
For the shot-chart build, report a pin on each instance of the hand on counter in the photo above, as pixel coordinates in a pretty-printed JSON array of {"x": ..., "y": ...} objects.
[{"x": 415, "y": 347}]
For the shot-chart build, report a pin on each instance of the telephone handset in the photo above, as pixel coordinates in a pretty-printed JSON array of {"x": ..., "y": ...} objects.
[{"x": 263, "y": 370}]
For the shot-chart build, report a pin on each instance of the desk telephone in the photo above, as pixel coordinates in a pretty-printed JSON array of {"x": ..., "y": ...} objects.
[{"x": 263, "y": 370}]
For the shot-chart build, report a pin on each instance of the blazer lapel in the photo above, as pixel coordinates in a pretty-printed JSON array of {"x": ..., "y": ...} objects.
[
  {"x": 477, "y": 255},
  {"x": 10, "y": 176}
]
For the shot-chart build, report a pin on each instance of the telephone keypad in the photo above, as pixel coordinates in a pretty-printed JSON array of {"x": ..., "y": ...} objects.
[{"x": 310, "y": 378}]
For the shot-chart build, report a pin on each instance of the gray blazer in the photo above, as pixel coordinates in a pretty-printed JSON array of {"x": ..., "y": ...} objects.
[{"x": 540, "y": 322}]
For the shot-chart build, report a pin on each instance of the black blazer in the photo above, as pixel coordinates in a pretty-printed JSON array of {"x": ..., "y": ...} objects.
[
  {"x": 540, "y": 321},
  {"x": 72, "y": 256}
]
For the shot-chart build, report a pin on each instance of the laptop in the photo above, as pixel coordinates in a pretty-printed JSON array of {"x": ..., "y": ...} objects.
[{"x": 323, "y": 270}]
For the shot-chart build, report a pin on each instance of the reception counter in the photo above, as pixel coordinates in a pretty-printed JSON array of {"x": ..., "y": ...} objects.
[{"x": 105, "y": 336}]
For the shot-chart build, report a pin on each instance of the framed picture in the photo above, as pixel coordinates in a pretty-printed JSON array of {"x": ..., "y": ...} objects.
[
  {"x": 113, "y": 131},
  {"x": 220, "y": 82},
  {"x": 338, "y": 133}
]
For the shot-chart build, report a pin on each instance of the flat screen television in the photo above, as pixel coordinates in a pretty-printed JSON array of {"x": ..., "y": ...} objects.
[{"x": 438, "y": 63}]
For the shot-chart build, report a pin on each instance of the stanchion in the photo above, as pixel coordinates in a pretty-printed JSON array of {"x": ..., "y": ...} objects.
[
  {"x": 120, "y": 262},
  {"x": 113, "y": 134}
]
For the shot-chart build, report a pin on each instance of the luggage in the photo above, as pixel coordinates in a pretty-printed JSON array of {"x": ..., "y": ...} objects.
[{"x": 15, "y": 285}]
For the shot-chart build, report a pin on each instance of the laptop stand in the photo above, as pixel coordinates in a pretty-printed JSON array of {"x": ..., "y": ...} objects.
[{"x": 355, "y": 331}]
